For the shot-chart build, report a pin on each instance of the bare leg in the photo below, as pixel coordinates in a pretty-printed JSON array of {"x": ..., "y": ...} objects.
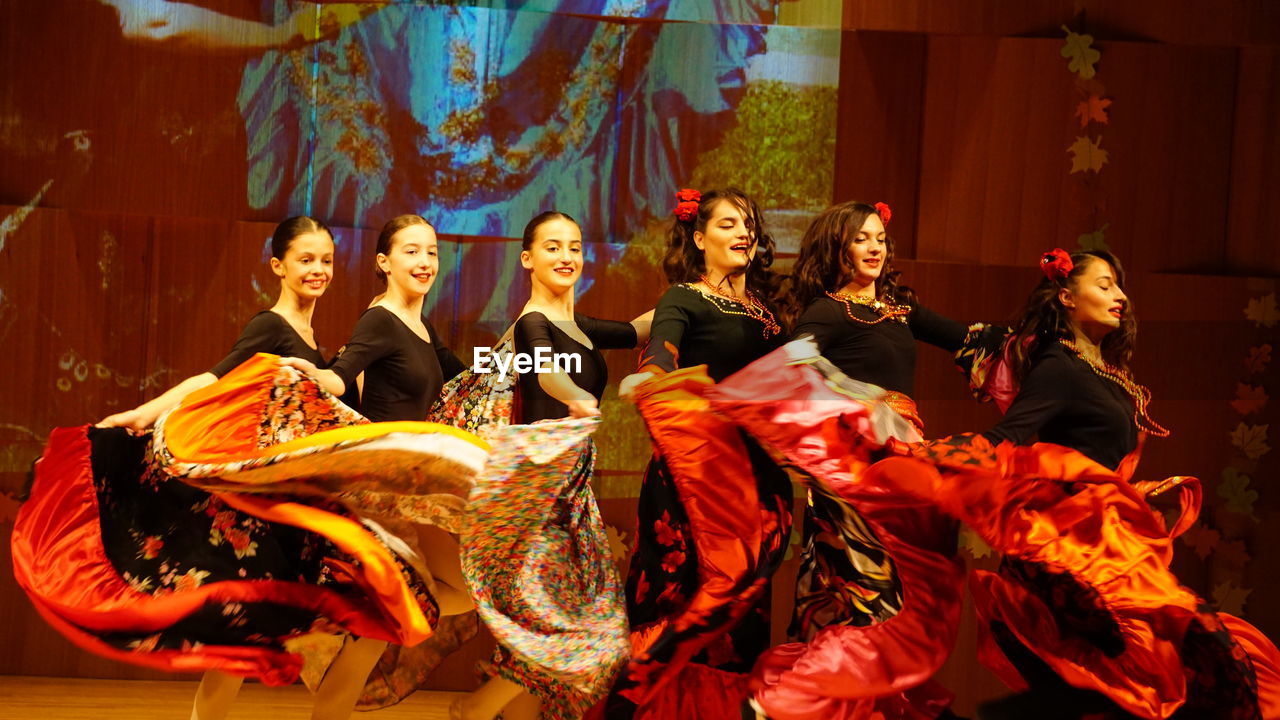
[
  {"x": 525, "y": 707},
  {"x": 338, "y": 692},
  {"x": 441, "y": 554},
  {"x": 486, "y": 701},
  {"x": 214, "y": 696}
]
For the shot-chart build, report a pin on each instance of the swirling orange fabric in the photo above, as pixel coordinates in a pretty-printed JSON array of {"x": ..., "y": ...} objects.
[
  {"x": 849, "y": 672},
  {"x": 737, "y": 534},
  {"x": 1051, "y": 506}
]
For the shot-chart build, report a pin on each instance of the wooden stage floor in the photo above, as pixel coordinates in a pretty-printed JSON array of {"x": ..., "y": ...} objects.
[{"x": 39, "y": 698}]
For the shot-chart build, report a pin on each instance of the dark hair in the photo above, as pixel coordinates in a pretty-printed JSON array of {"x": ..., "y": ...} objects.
[
  {"x": 291, "y": 229},
  {"x": 538, "y": 220},
  {"x": 684, "y": 262},
  {"x": 393, "y": 226},
  {"x": 823, "y": 263},
  {"x": 1045, "y": 318}
]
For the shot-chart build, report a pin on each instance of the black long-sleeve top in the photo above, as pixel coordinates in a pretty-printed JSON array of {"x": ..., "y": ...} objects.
[
  {"x": 690, "y": 329},
  {"x": 267, "y": 332},
  {"x": 534, "y": 330},
  {"x": 403, "y": 374},
  {"x": 882, "y": 354},
  {"x": 1063, "y": 401}
]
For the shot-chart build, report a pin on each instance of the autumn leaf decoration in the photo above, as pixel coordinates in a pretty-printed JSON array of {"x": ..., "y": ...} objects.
[
  {"x": 1230, "y": 598},
  {"x": 1250, "y": 399},
  {"x": 1251, "y": 440},
  {"x": 1236, "y": 492},
  {"x": 1087, "y": 155},
  {"x": 1093, "y": 109},
  {"x": 1202, "y": 539},
  {"x": 1096, "y": 240},
  {"x": 1078, "y": 50},
  {"x": 1263, "y": 311},
  {"x": 1258, "y": 359}
]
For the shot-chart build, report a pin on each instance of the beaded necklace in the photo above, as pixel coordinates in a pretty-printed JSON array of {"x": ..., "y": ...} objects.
[
  {"x": 751, "y": 307},
  {"x": 887, "y": 310},
  {"x": 1138, "y": 393}
]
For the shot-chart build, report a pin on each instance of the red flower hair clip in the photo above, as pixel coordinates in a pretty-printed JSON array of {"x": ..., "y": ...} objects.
[
  {"x": 687, "y": 201},
  {"x": 882, "y": 209},
  {"x": 1056, "y": 264}
]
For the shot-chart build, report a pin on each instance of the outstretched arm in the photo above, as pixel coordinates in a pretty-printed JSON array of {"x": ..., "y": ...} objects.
[{"x": 185, "y": 24}]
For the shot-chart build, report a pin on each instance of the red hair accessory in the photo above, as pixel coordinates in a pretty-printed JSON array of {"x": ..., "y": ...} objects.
[
  {"x": 1056, "y": 264},
  {"x": 882, "y": 209},
  {"x": 687, "y": 201}
]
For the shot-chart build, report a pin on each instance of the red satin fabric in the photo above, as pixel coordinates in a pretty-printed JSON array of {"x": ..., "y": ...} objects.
[
  {"x": 60, "y": 562},
  {"x": 848, "y": 672},
  {"x": 1054, "y": 507},
  {"x": 734, "y": 534}
]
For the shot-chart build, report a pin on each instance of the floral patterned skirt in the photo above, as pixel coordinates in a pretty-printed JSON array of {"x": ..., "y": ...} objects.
[
  {"x": 537, "y": 562},
  {"x": 220, "y": 537},
  {"x": 714, "y": 515}
]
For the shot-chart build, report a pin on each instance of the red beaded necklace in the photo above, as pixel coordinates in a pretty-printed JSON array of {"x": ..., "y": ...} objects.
[
  {"x": 887, "y": 310},
  {"x": 1138, "y": 393},
  {"x": 751, "y": 307}
]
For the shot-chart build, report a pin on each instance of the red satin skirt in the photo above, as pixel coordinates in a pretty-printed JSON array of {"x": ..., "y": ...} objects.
[
  {"x": 715, "y": 512},
  {"x": 827, "y": 428},
  {"x": 1085, "y": 584}
]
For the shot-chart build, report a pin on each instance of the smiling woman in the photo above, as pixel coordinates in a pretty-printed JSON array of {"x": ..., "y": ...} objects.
[{"x": 404, "y": 363}]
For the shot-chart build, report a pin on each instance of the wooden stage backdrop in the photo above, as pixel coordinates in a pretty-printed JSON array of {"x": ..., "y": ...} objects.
[{"x": 961, "y": 118}]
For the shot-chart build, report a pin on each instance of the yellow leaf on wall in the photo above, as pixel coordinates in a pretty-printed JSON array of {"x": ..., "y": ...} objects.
[
  {"x": 1087, "y": 155},
  {"x": 1079, "y": 51},
  {"x": 1251, "y": 440},
  {"x": 1263, "y": 311}
]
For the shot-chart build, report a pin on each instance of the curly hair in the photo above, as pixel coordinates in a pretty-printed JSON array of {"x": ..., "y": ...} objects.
[
  {"x": 1046, "y": 319},
  {"x": 824, "y": 265},
  {"x": 684, "y": 262}
]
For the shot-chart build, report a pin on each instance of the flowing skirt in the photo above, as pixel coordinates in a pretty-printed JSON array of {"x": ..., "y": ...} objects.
[
  {"x": 1085, "y": 593},
  {"x": 715, "y": 513},
  {"x": 881, "y": 615},
  {"x": 537, "y": 562},
  {"x": 223, "y": 536}
]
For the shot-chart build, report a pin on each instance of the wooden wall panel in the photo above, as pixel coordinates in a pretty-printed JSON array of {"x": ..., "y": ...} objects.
[
  {"x": 995, "y": 180},
  {"x": 1184, "y": 22},
  {"x": 878, "y": 133},
  {"x": 1165, "y": 190},
  {"x": 993, "y": 170},
  {"x": 1253, "y": 220}
]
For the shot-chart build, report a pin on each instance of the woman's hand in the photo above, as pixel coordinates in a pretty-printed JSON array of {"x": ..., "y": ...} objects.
[
  {"x": 627, "y": 388},
  {"x": 303, "y": 365},
  {"x": 135, "y": 421},
  {"x": 583, "y": 407}
]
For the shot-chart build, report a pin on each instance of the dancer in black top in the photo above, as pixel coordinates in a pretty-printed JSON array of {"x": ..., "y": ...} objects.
[
  {"x": 697, "y": 594},
  {"x": 405, "y": 366},
  {"x": 552, "y": 253},
  {"x": 404, "y": 363},
  {"x": 1065, "y": 513},
  {"x": 845, "y": 294},
  {"x": 302, "y": 257},
  {"x": 568, "y": 380}
]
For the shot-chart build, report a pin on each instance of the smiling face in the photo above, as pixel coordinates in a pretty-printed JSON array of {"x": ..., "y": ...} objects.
[
  {"x": 413, "y": 261},
  {"x": 728, "y": 242},
  {"x": 867, "y": 250},
  {"x": 307, "y": 266},
  {"x": 1094, "y": 300},
  {"x": 555, "y": 255}
]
